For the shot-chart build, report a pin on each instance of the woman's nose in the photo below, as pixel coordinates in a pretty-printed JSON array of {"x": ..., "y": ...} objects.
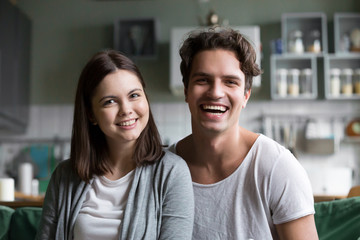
[{"x": 124, "y": 109}]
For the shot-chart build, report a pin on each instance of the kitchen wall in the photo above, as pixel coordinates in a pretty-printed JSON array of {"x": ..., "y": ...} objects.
[
  {"x": 331, "y": 173},
  {"x": 67, "y": 33}
]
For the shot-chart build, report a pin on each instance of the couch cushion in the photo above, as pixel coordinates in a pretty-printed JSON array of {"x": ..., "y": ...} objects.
[
  {"x": 25, "y": 222},
  {"x": 338, "y": 219},
  {"x": 5, "y": 218}
]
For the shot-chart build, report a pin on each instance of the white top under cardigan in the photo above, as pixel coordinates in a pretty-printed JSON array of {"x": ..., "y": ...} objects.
[
  {"x": 103, "y": 209},
  {"x": 160, "y": 203}
]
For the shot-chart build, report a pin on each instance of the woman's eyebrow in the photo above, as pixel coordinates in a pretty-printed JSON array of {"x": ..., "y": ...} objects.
[{"x": 135, "y": 90}]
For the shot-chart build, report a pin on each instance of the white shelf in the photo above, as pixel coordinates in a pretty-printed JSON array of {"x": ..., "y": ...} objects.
[
  {"x": 305, "y": 22},
  {"x": 344, "y": 24},
  {"x": 292, "y": 61},
  {"x": 340, "y": 61}
]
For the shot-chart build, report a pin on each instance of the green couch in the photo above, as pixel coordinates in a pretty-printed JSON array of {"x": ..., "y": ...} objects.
[
  {"x": 19, "y": 224},
  {"x": 335, "y": 220}
]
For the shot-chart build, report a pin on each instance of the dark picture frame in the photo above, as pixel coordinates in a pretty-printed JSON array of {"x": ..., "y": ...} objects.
[{"x": 136, "y": 38}]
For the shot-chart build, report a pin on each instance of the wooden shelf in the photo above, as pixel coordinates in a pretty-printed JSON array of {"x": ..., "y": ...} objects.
[
  {"x": 325, "y": 198},
  {"x": 22, "y": 200}
]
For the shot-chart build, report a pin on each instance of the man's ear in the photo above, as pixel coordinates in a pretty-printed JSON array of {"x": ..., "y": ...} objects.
[
  {"x": 246, "y": 98},
  {"x": 185, "y": 93}
]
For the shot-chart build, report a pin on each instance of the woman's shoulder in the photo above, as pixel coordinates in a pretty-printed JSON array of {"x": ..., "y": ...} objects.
[
  {"x": 171, "y": 159},
  {"x": 64, "y": 168},
  {"x": 64, "y": 165}
]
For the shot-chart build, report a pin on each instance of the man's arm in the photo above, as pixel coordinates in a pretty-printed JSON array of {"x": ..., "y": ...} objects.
[{"x": 299, "y": 229}]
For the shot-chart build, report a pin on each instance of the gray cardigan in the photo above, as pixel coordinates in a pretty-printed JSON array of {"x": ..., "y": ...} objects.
[{"x": 160, "y": 203}]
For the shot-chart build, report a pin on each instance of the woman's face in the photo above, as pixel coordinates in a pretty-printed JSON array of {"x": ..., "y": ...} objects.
[{"x": 120, "y": 107}]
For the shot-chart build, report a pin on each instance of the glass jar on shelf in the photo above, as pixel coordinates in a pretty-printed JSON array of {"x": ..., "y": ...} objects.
[
  {"x": 281, "y": 82},
  {"x": 335, "y": 82},
  {"x": 296, "y": 44},
  {"x": 306, "y": 80},
  {"x": 293, "y": 82},
  {"x": 346, "y": 81},
  {"x": 357, "y": 81},
  {"x": 314, "y": 42}
]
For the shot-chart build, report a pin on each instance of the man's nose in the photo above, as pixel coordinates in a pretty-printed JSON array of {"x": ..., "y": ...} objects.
[{"x": 215, "y": 90}]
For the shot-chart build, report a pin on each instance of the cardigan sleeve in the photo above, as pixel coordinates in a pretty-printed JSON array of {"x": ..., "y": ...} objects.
[
  {"x": 178, "y": 203},
  {"x": 48, "y": 223}
]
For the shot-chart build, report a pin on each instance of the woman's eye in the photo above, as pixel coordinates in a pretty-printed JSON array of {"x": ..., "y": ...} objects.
[
  {"x": 134, "y": 95},
  {"x": 108, "y": 102}
]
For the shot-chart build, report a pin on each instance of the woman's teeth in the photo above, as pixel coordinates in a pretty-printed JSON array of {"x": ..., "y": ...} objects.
[{"x": 127, "y": 123}]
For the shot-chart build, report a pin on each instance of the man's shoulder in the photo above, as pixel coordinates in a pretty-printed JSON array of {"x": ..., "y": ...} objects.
[
  {"x": 269, "y": 145},
  {"x": 182, "y": 146}
]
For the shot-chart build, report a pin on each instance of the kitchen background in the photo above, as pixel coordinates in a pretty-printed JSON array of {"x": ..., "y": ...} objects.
[{"x": 64, "y": 34}]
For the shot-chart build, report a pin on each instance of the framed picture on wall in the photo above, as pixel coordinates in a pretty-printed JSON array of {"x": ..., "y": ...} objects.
[{"x": 136, "y": 38}]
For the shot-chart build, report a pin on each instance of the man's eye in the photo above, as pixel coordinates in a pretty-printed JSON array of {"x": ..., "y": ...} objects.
[
  {"x": 201, "y": 80},
  {"x": 231, "y": 82}
]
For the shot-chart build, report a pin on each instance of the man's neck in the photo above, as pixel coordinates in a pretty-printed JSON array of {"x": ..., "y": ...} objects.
[{"x": 213, "y": 158}]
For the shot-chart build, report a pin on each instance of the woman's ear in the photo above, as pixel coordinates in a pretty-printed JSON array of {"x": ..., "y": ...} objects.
[{"x": 92, "y": 119}]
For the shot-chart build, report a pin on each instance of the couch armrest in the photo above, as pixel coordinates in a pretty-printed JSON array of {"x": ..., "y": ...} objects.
[
  {"x": 338, "y": 219},
  {"x": 5, "y": 219},
  {"x": 25, "y": 222}
]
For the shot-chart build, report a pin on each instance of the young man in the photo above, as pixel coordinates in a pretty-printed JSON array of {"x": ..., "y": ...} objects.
[{"x": 246, "y": 185}]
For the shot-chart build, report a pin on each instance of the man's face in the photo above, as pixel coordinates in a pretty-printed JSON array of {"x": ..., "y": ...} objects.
[{"x": 215, "y": 93}]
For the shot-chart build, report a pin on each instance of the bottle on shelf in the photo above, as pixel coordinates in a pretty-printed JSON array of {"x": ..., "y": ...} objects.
[
  {"x": 346, "y": 81},
  {"x": 335, "y": 82},
  {"x": 306, "y": 82},
  {"x": 314, "y": 42},
  {"x": 281, "y": 82},
  {"x": 344, "y": 43},
  {"x": 357, "y": 81},
  {"x": 296, "y": 44},
  {"x": 293, "y": 82}
]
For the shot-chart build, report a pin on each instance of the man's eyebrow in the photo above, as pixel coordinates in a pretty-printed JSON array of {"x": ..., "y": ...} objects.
[
  {"x": 234, "y": 77},
  {"x": 200, "y": 74}
]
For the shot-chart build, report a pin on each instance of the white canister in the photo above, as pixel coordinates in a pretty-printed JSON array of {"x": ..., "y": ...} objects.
[
  {"x": 281, "y": 82},
  {"x": 293, "y": 82},
  {"x": 335, "y": 82},
  {"x": 25, "y": 176},
  {"x": 347, "y": 81},
  {"x": 35, "y": 187},
  {"x": 7, "y": 189}
]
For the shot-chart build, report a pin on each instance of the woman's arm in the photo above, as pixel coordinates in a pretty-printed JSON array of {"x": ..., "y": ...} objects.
[
  {"x": 47, "y": 227},
  {"x": 178, "y": 205}
]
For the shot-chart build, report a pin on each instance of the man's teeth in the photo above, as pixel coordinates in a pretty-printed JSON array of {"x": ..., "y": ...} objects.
[
  {"x": 127, "y": 123},
  {"x": 217, "y": 108}
]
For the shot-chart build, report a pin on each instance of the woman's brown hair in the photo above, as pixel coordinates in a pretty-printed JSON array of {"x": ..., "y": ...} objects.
[{"x": 89, "y": 154}]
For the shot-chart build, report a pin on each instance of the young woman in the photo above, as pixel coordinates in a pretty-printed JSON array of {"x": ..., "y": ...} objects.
[{"x": 119, "y": 182}]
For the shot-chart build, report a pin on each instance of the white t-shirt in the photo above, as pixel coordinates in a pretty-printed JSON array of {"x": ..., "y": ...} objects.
[
  {"x": 269, "y": 187},
  {"x": 103, "y": 208}
]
